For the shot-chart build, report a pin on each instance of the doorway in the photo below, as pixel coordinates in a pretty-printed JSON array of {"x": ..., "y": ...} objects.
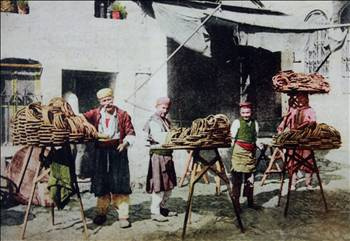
[{"x": 84, "y": 85}]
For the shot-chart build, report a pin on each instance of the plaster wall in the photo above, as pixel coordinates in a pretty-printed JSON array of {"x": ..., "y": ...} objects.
[{"x": 66, "y": 35}]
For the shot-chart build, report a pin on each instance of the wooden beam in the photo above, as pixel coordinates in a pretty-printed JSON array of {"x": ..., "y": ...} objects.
[{"x": 39, "y": 66}]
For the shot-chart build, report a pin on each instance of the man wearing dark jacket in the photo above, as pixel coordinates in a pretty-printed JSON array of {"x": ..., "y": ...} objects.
[{"x": 111, "y": 180}]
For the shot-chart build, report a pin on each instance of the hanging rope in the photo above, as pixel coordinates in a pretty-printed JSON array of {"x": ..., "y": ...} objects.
[
  {"x": 166, "y": 61},
  {"x": 332, "y": 51}
]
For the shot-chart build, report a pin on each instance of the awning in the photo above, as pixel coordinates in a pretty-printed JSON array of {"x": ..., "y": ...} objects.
[
  {"x": 254, "y": 22},
  {"x": 256, "y": 26},
  {"x": 184, "y": 22}
]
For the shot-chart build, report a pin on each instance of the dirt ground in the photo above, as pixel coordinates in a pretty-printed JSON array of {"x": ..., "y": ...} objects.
[{"x": 212, "y": 217}]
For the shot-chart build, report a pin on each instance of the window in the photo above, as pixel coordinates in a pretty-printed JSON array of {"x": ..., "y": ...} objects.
[
  {"x": 15, "y": 6},
  {"x": 110, "y": 9},
  {"x": 20, "y": 86},
  {"x": 315, "y": 51}
]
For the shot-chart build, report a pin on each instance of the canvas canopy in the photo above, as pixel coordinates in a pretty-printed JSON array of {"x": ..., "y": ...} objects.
[
  {"x": 188, "y": 22},
  {"x": 252, "y": 25}
]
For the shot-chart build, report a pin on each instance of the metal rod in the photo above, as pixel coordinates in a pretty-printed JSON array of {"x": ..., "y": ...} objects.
[
  {"x": 332, "y": 51},
  {"x": 324, "y": 61},
  {"x": 170, "y": 56}
]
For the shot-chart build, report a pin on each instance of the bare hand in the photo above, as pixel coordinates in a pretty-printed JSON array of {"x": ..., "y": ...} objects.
[{"x": 122, "y": 146}]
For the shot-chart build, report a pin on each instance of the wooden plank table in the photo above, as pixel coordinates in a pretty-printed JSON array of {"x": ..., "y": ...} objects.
[{"x": 207, "y": 165}]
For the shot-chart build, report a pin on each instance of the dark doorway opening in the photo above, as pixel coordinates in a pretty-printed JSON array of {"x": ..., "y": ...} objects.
[
  {"x": 201, "y": 86},
  {"x": 85, "y": 84}
]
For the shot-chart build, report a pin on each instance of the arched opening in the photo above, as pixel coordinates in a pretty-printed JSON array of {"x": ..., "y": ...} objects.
[
  {"x": 314, "y": 49},
  {"x": 345, "y": 13}
]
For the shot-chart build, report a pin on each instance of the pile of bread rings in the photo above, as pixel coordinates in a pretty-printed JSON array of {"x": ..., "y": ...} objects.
[
  {"x": 52, "y": 124},
  {"x": 289, "y": 81},
  {"x": 314, "y": 136},
  {"x": 214, "y": 130}
]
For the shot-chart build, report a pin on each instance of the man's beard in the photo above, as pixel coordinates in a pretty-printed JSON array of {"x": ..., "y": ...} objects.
[{"x": 109, "y": 108}]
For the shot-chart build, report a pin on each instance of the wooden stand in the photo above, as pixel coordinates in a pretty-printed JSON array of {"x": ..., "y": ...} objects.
[
  {"x": 291, "y": 155},
  {"x": 192, "y": 168},
  {"x": 39, "y": 175},
  {"x": 273, "y": 166},
  {"x": 207, "y": 165}
]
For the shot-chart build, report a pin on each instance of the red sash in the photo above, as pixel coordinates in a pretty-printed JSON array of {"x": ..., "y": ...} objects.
[{"x": 246, "y": 145}]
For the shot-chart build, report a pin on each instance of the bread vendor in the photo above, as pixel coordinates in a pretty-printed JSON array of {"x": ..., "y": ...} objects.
[
  {"x": 244, "y": 132},
  {"x": 299, "y": 115},
  {"x": 111, "y": 180},
  {"x": 161, "y": 177}
]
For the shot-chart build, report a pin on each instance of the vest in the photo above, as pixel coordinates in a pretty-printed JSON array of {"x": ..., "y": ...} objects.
[
  {"x": 245, "y": 132},
  {"x": 157, "y": 119}
]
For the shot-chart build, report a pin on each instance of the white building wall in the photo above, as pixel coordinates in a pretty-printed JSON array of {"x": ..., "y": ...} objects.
[
  {"x": 66, "y": 35},
  {"x": 332, "y": 108}
]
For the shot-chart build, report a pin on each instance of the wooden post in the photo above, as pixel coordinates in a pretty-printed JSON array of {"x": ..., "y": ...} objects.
[
  {"x": 24, "y": 167},
  {"x": 30, "y": 200}
]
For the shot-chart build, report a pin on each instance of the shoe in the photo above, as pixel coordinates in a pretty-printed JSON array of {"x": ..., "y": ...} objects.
[
  {"x": 166, "y": 213},
  {"x": 100, "y": 219},
  {"x": 309, "y": 187},
  {"x": 172, "y": 214},
  {"x": 124, "y": 223},
  {"x": 293, "y": 188},
  {"x": 158, "y": 218}
]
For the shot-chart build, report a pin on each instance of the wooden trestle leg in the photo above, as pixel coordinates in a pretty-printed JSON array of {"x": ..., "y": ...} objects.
[
  {"x": 36, "y": 179},
  {"x": 30, "y": 200},
  {"x": 301, "y": 161},
  {"x": 281, "y": 186},
  {"x": 194, "y": 179},
  {"x": 224, "y": 177},
  {"x": 189, "y": 200},
  {"x": 320, "y": 183},
  {"x": 24, "y": 167}
]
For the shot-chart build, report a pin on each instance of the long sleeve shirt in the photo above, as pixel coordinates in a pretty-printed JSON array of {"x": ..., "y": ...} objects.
[
  {"x": 157, "y": 129},
  {"x": 125, "y": 126}
]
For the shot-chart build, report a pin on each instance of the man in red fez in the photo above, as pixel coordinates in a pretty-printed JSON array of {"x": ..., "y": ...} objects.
[
  {"x": 161, "y": 177},
  {"x": 244, "y": 132}
]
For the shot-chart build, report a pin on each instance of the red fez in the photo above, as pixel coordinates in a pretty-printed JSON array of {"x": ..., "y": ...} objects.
[
  {"x": 245, "y": 105},
  {"x": 163, "y": 101}
]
